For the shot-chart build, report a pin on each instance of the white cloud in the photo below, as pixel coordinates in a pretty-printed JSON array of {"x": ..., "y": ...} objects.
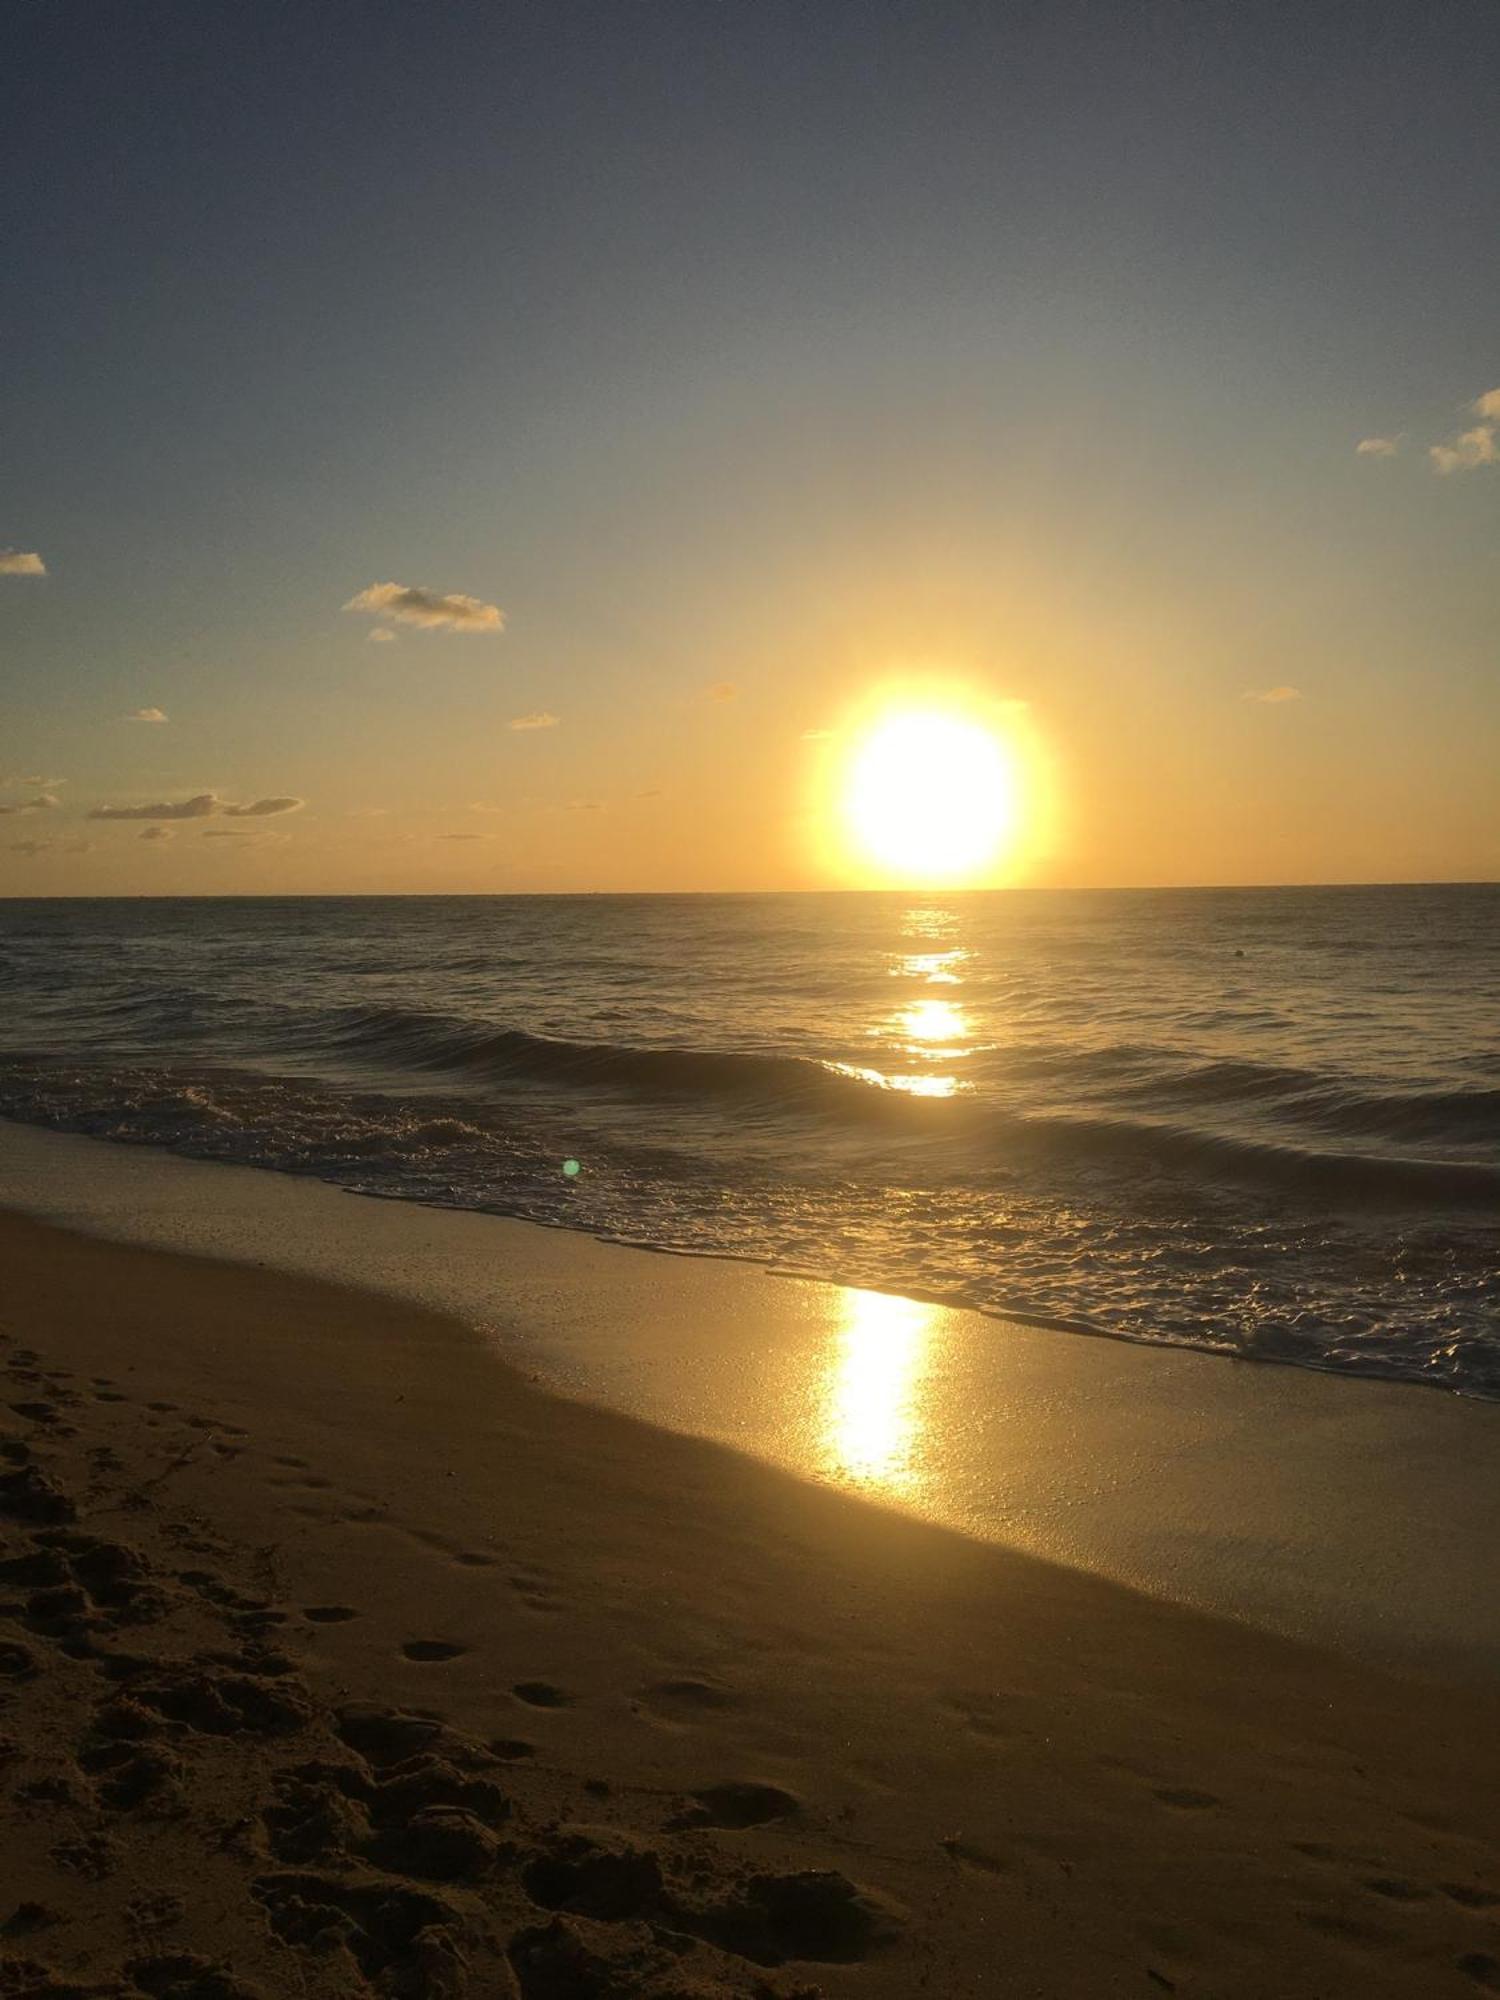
[
  {"x": 1275, "y": 694},
  {"x": 198, "y": 807},
  {"x": 157, "y": 833},
  {"x": 21, "y": 562},
  {"x": 541, "y": 720},
  {"x": 411, "y": 604},
  {"x": 721, "y": 691},
  {"x": 1378, "y": 447},
  {"x": 380, "y": 635},
  {"x": 146, "y": 715},
  {"x": 263, "y": 808},
  {"x": 44, "y": 802},
  {"x": 1488, "y": 405},
  {"x": 1469, "y": 449}
]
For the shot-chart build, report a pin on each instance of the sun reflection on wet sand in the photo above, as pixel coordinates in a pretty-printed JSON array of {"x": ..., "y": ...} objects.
[{"x": 872, "y": 1390}]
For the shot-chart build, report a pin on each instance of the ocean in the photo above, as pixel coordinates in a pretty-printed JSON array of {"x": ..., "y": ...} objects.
[{"x": 1259, "y": 1121}]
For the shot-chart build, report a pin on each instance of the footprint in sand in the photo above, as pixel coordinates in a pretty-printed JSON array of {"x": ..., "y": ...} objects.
[
  {"x": 329, "y": 1614},
  {"x": 971, "y": 1856},
  {"x": 686, "y": 1700},
  {"x": 431, "y": 1650},
  {"x": 736, "y": 1804},
  {"x": 541, "y": 1694},
  {"x": 1469, "y": 1895}
]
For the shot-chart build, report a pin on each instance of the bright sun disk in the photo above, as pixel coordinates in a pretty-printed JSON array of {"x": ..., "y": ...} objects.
[{"x": 931, "y": 796}]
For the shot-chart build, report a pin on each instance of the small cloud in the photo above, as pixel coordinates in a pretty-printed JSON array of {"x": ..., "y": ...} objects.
[
  {"x": 146, "y": 715},
  {"x": 463, "y": 836},
  {"x": 157, "y": 833},
  {"x": 1275, "y": 694},
  {"x": 263, "y": 808},
  {"x": 1379, "y": 447},
  {"x": 21, "y": 562},
  {"x": 35, "y": 847},
  {"x": 721, "y": 691},
  {"x": 198, "y": 807},
  {"x": 253, "y": 836},
  {"x": 369, "y": 812},
  {"x": 410, "y": 604},
  {"x": 1468, "y": 450},
  {"x": 380, "y": 635},
  {"x": 1488, "y": 405},
  {"x": 540, "y": 721},
  {"x": 584, "y": 806},
  {"x": 41, "y": 784},
  {"x": 816, "y": 735},
  {"x": 654, "y": 793},
  {"x": 484, "y": 806},
  {"x": 43, "y": 803}
]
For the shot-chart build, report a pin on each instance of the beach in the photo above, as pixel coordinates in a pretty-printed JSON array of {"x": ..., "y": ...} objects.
[{"x": 343, "y": 1658}]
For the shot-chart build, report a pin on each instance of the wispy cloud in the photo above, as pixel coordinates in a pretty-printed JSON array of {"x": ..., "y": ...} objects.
[
  {"x": 44, "y": 802},
  {"x": 542, "y": 720},
  {"x": 21, "y": 562},
  {"x": 200, "y": 806},
  {"x": 1472, "y": 448},
  {"x": 264, "y": 808},
  {"x": 411, "y": 604},
  {"x": 1468, "y": 450},
  {"x": 35, "y": 847},
  {"x": 816, "y": 735},
  {"x": 380, "y": 635},
  {"x": 463, "y": 836},
  {"x": 721, "y": 691},
  {"x": 157, "y": 833},
  {"x": 32, "y": 778},
  {"x": 1275, "y": 694},
  {"x": 146, "y": 715},
  {"x": 1379, "y": 447}
]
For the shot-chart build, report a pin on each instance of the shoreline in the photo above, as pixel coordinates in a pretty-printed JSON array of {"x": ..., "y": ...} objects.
[
  {"x": 1341, "y": 1510},
  {"x": 676, "y": 1680}
]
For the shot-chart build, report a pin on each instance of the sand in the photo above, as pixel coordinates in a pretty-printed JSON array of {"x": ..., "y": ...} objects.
[
  {"x": 338, "y": 1658},
  {"x": 1354, "y": 1513}
]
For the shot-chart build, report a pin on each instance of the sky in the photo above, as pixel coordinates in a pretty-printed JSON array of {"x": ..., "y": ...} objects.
[{"x": 454, "y": 448}]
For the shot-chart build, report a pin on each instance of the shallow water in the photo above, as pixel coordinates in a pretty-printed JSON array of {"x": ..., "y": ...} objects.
[{"x": 1266, "y": 1121}]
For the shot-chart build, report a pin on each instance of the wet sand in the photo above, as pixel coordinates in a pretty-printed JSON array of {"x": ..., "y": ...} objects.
[
  {"x": 340, "y": 1659},
  {"x": 1352, "y": 1513}
]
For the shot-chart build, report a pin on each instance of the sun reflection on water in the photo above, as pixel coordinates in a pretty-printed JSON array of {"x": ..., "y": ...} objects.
[
  {"x": 935, "y": 1021},
  {"x": 872, "y": 1390}
]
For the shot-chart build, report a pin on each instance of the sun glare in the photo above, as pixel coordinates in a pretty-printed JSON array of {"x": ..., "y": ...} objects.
[{"x": 932, "y": 796}]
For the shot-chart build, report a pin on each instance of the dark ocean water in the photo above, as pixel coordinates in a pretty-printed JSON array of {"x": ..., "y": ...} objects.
[{"x": 1264, "y": 1121}]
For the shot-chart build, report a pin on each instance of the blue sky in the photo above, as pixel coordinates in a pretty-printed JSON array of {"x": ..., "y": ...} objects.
[{"x": 776, "y": 349}]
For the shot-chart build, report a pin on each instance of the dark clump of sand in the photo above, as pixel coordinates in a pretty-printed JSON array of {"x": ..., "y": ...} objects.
[{"x": 336, "y": 1661}]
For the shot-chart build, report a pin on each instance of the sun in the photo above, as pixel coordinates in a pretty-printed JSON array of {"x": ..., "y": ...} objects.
[{"x": 931, "y": 796}]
